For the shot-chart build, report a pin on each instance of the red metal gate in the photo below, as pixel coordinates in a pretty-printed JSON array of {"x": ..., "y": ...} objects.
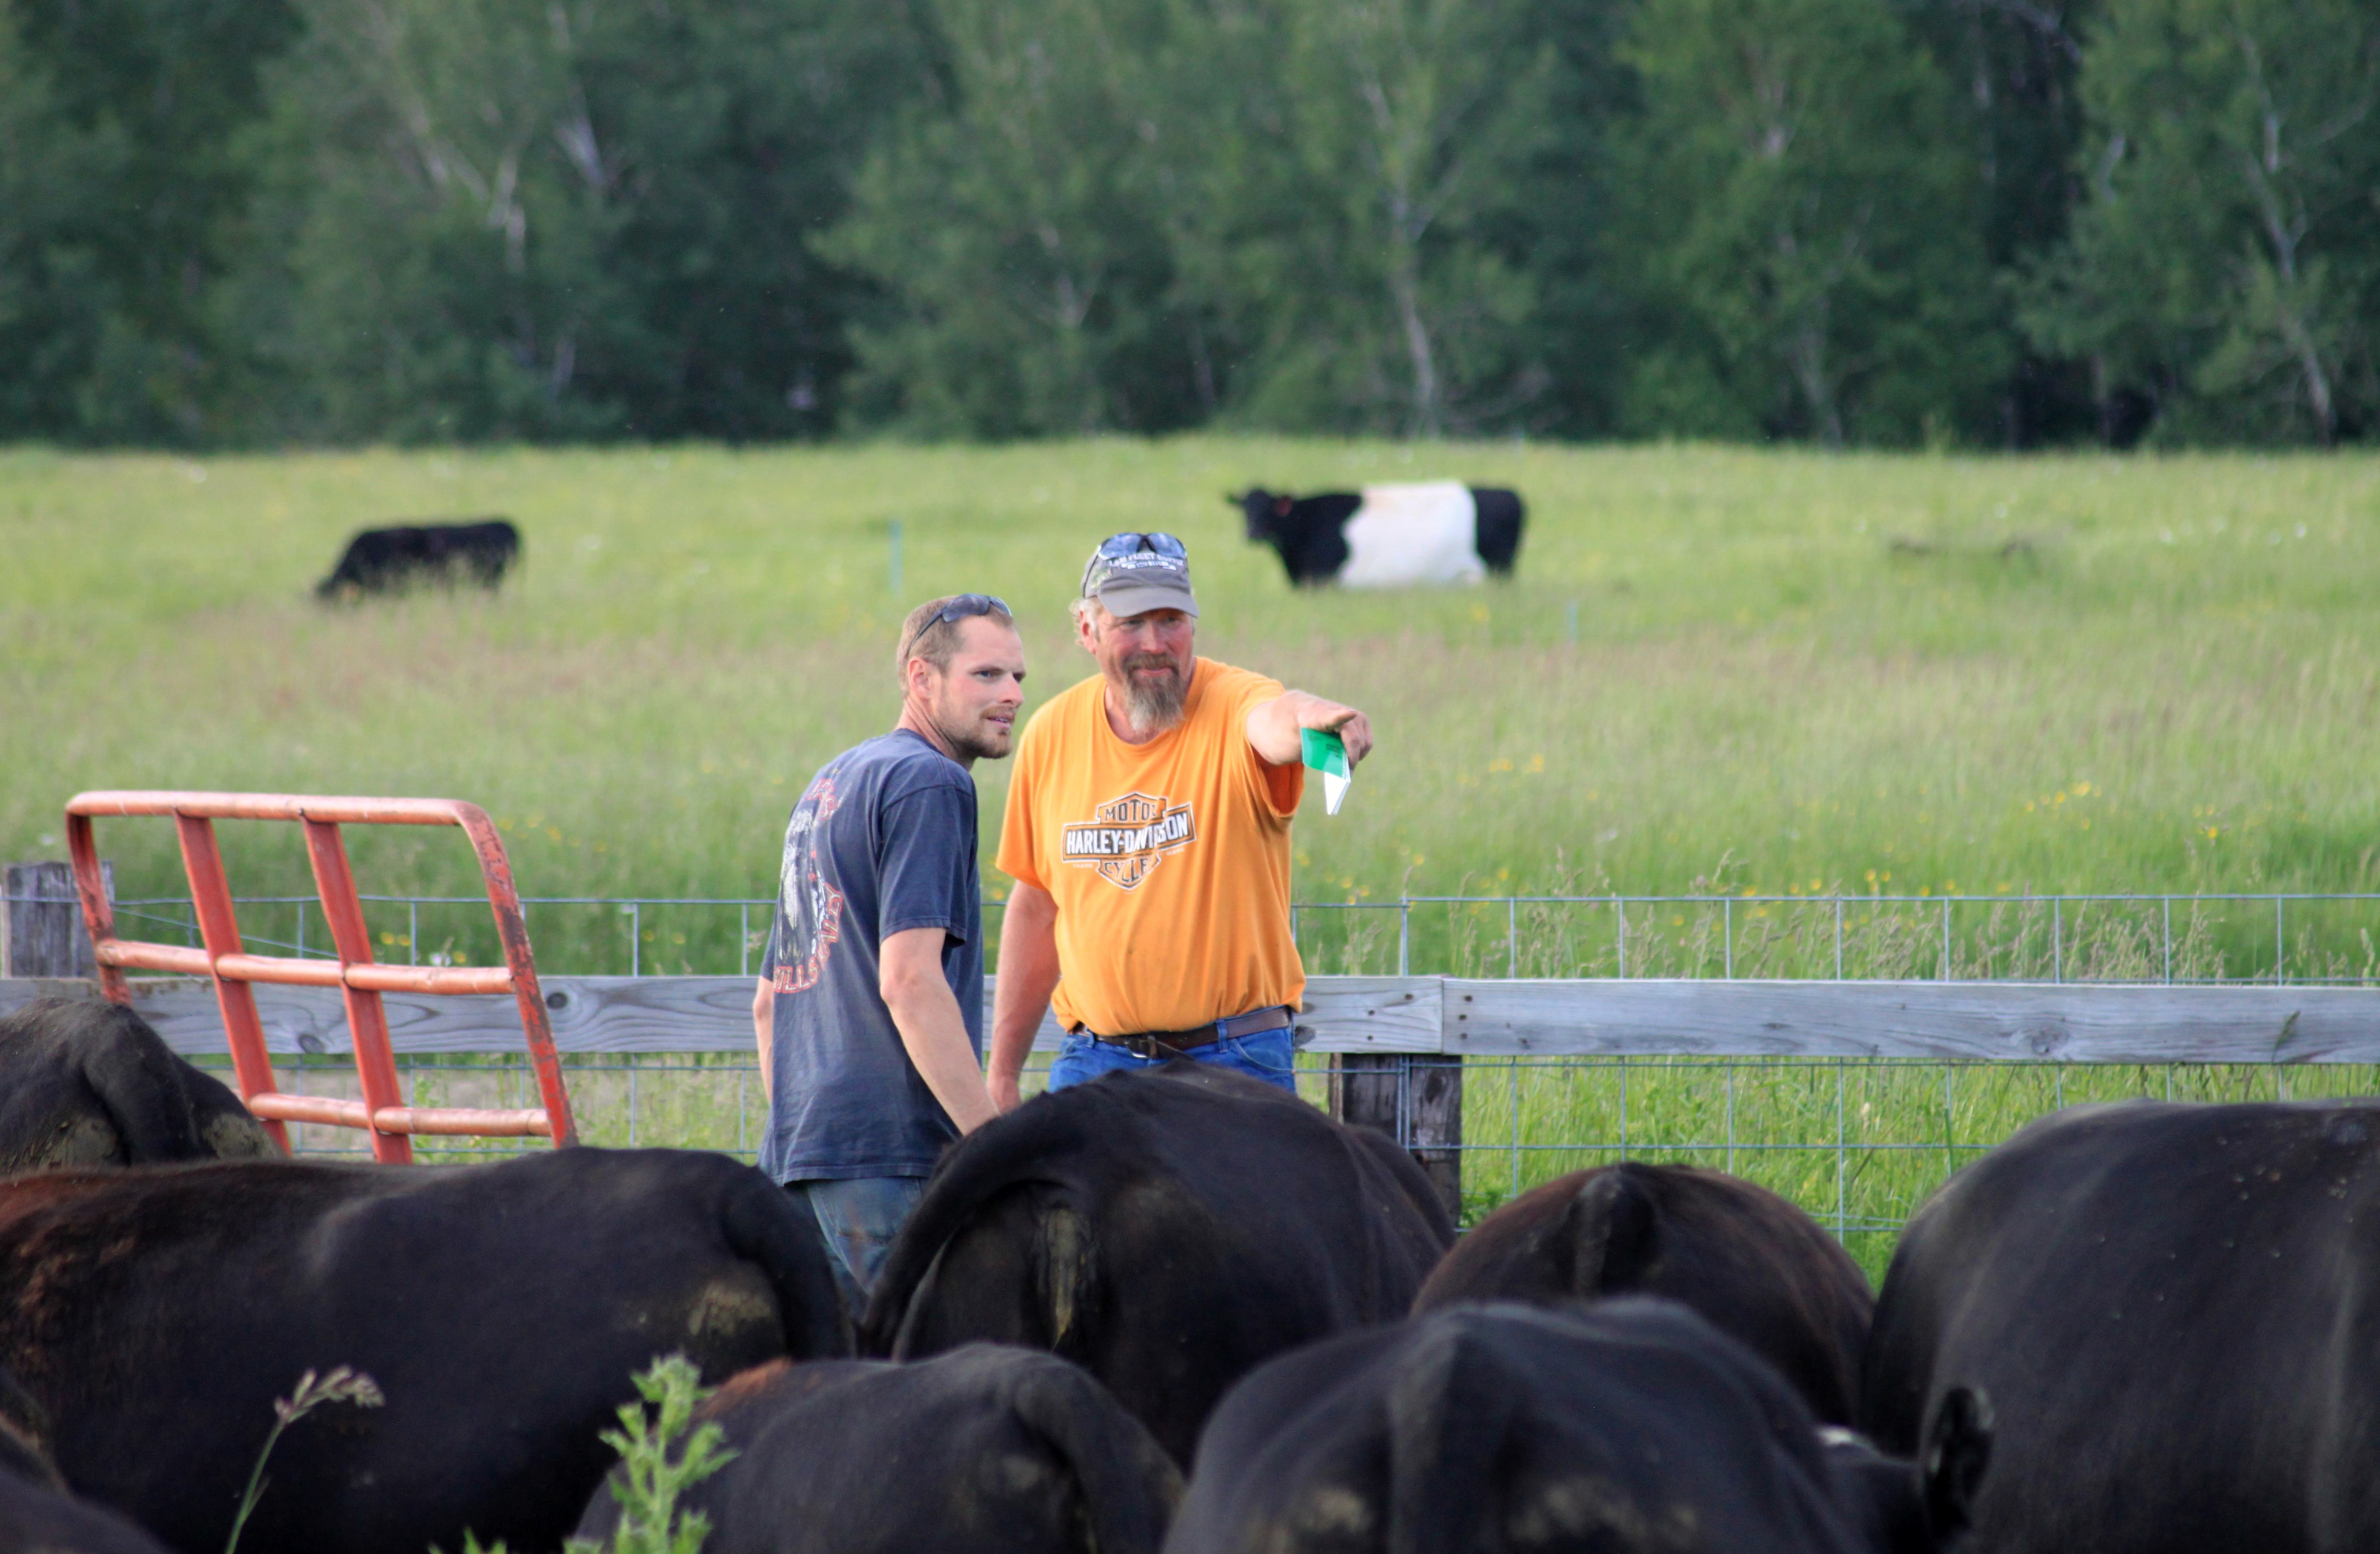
[{"x": 383, "y": 1111}]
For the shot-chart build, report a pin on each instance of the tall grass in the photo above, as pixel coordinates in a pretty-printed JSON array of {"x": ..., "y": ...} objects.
[
  {"x": 2171, "y": 685},
  {"x": 1823, "y": 679}
]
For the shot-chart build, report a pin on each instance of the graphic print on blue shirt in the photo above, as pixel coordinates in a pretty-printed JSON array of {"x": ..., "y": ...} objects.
[
  {"x": 882, "y": 841},
  {"x": 812, "y": 908}
]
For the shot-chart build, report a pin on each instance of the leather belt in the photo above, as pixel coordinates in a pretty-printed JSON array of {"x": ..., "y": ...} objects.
[{"x": 1181, "y": 1043}]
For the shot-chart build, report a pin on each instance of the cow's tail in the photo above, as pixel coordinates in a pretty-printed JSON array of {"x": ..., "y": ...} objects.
[
  {"x": 138, "y": 1080},
  {"x": 1030, "y": 1147},
  {"x": 1447, "y": 1413},
  {"x": 1613, "y": 1225},
  {"x": 767, "y": 1229},
  {"x": 1130, "y": 1487}
]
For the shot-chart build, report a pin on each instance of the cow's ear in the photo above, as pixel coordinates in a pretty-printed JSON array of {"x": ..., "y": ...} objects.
[
  {"x": 1615, "y": 1232},
  {"x": 1958, "y": 1450}
]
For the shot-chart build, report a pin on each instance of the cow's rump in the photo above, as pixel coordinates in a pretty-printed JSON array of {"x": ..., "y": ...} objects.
[
  {"x": 155, "y": 1314},
  {"x": 2173, "y": 1310},
  {"x": 1751, "y": 1264},
  {"x": 1630, "y": 1427},
  {"x": 997, "y": 1450},
  {"x": 87, "y": 1083},
  {"x": 1165, "y": 1228}
]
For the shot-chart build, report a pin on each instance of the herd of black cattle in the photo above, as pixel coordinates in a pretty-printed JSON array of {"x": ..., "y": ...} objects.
[{"x": 1181, "y": 1311}]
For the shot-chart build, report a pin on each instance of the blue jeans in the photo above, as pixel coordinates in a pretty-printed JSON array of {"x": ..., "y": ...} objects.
[
  {"x": 858, "y": 1218},
  {"x": 1268, "y": 1055}
]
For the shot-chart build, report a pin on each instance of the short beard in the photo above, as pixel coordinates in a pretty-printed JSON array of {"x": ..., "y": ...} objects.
[
  {"x": 971, "y": 742},
  {"x": 1152, "y": 708}
]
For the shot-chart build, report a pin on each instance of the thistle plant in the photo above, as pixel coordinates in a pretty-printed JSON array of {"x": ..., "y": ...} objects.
[{"x": 648, "y": 1491}]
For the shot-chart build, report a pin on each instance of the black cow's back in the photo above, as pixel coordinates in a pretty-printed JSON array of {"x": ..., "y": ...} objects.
[
  {"x": 2172, "y": 1308},
  {"x": 1481, "y": 1430},
  {"x": 391, "y": 559},
  {"x": 1753, "y": 1265},
  {"x": 156, "y": 1314},
  {"x": 1002, "y": 1452},
  {"x": 1165, "y": 1228}
]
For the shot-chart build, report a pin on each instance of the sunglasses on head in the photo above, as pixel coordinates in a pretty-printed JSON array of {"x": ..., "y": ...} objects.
[
  {"x": 1131, "y": 544},
  {"x": 959, "y": 609}
]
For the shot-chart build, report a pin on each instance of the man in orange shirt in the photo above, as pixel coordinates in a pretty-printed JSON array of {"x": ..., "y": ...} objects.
[{"x": 1148, "y": 832}]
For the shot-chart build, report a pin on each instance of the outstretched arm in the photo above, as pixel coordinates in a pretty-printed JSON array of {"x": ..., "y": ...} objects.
[
  {"x": 1028, "y": 974},
  {"x": 1274, "y": 727}
]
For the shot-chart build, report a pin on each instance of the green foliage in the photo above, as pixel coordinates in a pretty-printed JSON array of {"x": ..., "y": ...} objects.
[
  {"x": 513, "y": 220},
  {"x": 1812, "y": 225},
  {"x": 1839, "y": 221},
  {"x": 1016, "y": 222},
  {"x": 2227, "y": 258},
  {"x": 121, "y": 187},
  {"x": 650, "y": 1520}
]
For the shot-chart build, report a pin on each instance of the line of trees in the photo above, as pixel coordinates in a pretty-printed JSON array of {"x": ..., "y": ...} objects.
[{"x": 1890, "y": 221}]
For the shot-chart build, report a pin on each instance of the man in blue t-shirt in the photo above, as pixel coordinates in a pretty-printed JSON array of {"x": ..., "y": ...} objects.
[{"x": 870, "y": 1017}]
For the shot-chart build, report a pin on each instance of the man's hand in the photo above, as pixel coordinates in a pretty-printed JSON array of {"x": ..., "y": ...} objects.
[
  {"x": 1275, "y": 727},
  {"x": 1028, "y": 974},
  {"x": 926, "y": 1016}
]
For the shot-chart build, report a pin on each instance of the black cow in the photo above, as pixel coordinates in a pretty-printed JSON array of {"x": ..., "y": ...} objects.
[
  {"x": 1388, "y": 535},
  {"x": 1630, "y": 1427},
  {"x": 155, "y": 1316},
  {"x": 1756, "y": 1267},
  {"x": 392, "y": 560},
  {"x": 37, "y": 1516},
  {"x": 985, "y": 1448},
  {"x": 2174, "y": 1309},
  {"x": 1166, "y": 1230},
  {"x": 85, "y": 1083}
]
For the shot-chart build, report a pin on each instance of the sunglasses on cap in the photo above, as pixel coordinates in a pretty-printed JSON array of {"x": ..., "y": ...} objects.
[
  {"x": 1131, "y": 544},
  {"x": 962, "y": 607}
]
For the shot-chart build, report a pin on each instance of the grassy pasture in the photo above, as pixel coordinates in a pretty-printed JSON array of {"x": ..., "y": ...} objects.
[{"x": 1789, "y": 673}]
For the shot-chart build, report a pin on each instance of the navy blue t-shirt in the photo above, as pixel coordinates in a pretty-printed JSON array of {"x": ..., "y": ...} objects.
[{"x": 883, "y": 839}]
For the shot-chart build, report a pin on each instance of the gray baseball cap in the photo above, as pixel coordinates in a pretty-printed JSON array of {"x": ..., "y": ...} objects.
[{"x": 1132, "y": 574}]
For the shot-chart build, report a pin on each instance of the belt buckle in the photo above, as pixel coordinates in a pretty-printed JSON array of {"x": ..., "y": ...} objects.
[{"x": 1141, "y": 1047}]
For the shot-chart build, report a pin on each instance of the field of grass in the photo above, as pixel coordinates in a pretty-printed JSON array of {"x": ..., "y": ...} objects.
[{"x": 1718, "y": 670}]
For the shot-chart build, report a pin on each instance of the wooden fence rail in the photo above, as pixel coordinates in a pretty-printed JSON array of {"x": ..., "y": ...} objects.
[
  {"x": 1392, "y": 1036},
  {"x": 1996, "y": 1022}
]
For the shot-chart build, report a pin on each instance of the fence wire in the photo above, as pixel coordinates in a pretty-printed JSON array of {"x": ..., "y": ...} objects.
[
  {"x": 2294, "y": 938},
  {"x": 1858, "y": 1142}
]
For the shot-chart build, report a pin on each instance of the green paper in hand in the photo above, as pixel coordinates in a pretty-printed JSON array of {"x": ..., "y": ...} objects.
[{"x": 1326, "y": 753}]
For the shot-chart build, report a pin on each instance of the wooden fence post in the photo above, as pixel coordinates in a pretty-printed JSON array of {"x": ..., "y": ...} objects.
[
  {"x": 1415, "y": 1098},
  {"x": 42, "y": 932}
]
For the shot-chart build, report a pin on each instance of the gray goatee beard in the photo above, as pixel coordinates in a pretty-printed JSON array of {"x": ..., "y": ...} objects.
[{"x": 1153, "y": 707}]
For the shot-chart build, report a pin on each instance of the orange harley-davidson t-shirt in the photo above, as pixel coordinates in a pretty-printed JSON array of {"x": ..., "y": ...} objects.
[{"x": 1168, "y": 861}]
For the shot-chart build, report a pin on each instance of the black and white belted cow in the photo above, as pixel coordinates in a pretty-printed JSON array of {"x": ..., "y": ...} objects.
[{"x": 1389, "y": 537}]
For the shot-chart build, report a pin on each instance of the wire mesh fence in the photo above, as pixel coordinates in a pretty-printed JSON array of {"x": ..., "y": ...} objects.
[
  {"x": 2285, "y": 936},
  {"x": 1858, "y": 1142}
]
